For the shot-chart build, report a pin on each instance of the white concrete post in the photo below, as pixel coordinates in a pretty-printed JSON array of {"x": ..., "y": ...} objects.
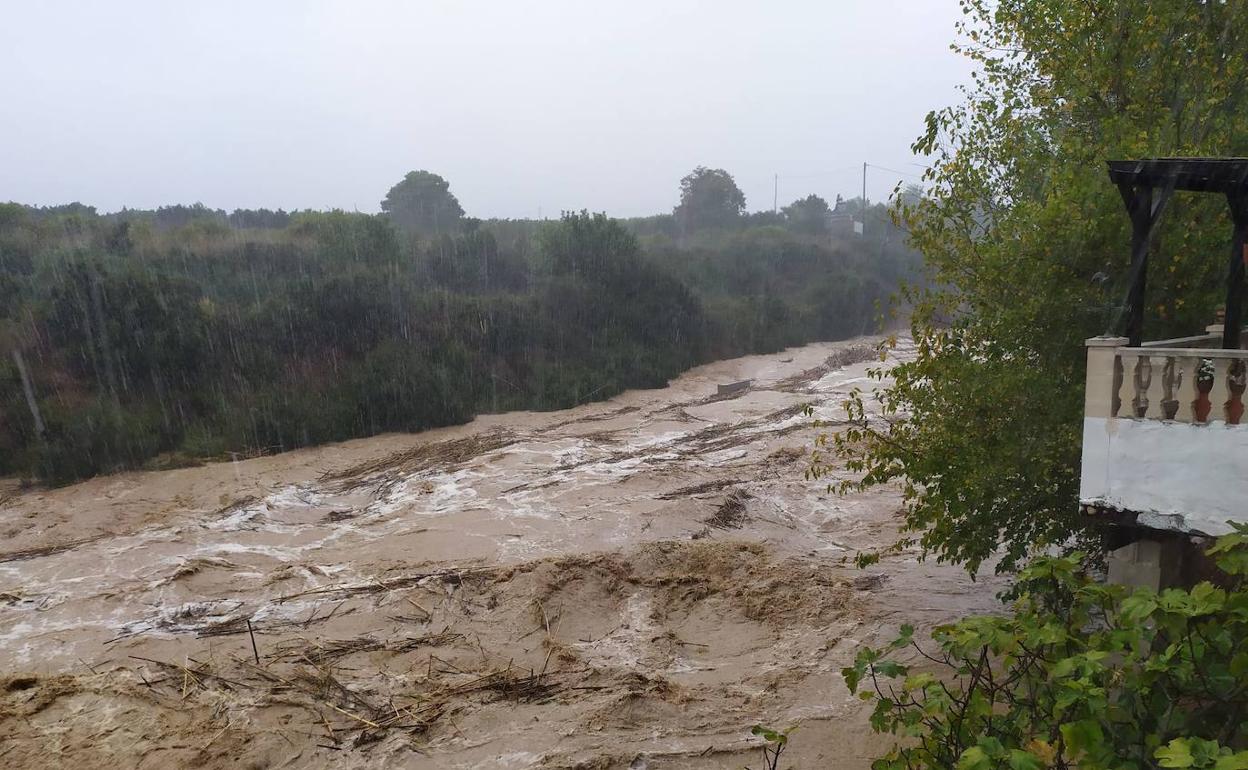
[
  {"x": 1155, "y": 564},
  {"x": 1098, "y": 397}
]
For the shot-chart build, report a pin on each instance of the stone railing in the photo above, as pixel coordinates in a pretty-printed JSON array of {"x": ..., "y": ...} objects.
[
  {"x": 1203, "y": 341},
  {"x": 1181, "y": 380},
  {"x": 1162, "y": 443}
]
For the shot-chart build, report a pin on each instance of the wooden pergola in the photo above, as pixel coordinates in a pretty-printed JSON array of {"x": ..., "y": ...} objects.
[{"x": 1146, "y": 187}]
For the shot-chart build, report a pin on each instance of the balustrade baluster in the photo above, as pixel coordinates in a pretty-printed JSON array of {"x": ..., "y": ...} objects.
[
  {"x": 1236, "y": 379},
  {"x": 1220, "y": 393},
  {"x": 1153, "y": 394},
  {"x": 1126, "y": 389},
  {"x": 1115, "y": 398},
  {"x": 1185, "y": 387},
  {"x": 1142, "y": 381},
  {"x": 1170, "y": 375}
]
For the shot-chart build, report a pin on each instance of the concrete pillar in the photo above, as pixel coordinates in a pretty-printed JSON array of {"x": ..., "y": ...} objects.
[
  {"x": 1154, "y": 564},
  {"x": 1098, "y": 394}
]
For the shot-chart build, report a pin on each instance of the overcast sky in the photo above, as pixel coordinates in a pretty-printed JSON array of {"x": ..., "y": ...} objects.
[{"x": 522, "y": 105}]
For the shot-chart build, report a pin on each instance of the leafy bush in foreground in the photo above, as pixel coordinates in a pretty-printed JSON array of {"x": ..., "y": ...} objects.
[{"x": 1080, "y": 675}]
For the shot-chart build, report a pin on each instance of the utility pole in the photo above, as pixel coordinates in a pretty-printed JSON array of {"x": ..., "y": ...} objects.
[
  {"x": 775, "y": 195},
  {"x": 864, "y": 199}
]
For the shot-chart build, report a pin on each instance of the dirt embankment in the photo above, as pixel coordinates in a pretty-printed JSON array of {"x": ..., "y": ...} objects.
[{"x": 629, "y": 584}]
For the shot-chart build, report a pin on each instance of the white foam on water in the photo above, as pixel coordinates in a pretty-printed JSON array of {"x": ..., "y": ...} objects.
[
  {"x": 183, "y": 618},
  {"x": 622, "y": 647},
  {"x": 530, "y": 503},
  {"x": 724, "y": 456}
]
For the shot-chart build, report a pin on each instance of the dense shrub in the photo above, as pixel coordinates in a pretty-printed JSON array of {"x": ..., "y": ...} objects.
[{"x": 1080, "y": 674}]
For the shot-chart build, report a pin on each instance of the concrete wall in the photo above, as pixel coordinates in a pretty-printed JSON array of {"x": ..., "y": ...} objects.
[{"x": 1177, "y": 476}]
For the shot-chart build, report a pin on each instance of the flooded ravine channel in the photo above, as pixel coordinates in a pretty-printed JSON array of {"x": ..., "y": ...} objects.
[{"x": 631, "y": 583}]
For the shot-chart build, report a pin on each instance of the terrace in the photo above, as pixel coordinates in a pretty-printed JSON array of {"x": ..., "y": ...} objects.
[{"x": 1164, "y": 450}]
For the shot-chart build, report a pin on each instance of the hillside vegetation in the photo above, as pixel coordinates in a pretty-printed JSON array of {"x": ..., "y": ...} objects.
[{"x": 152, "y": 338}]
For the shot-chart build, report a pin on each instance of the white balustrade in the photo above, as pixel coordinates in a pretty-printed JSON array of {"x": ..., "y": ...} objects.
[{"x": 1162, "y": 383}]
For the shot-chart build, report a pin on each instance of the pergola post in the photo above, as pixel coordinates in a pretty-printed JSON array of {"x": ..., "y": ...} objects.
[
  {"x": 1144, "y": 206},
  {"x": 1235, "y": 275}
]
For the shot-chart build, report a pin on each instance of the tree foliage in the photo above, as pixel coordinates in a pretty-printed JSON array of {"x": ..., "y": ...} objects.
[
  {"x": 808, "y": 215},
  {"x": 423, "y": 203},
  {"x": 983, "y": 429},
  {"x": 1079, "y": 675},
  {"x": 159, "y": 344},
  {"x": 709, "y": 198},
  {"x": 589, "y": 246}
]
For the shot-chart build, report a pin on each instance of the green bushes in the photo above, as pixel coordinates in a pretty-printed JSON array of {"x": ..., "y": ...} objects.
[
  {"x": 96, "y": 437},
  {"x": 1079, "y": 675},
  {"x": 187, "y": 339}
]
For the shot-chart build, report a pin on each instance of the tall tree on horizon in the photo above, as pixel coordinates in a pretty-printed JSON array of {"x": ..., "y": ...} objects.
[
  {"x": 423, "y": 203},
  {"x": 709, "y": 197}
]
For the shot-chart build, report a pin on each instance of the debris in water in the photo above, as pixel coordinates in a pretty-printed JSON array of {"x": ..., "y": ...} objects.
[
  {"x": 731, "y": 513},
  {"x": 699, "y": 489},
  {"x": 409, "y": 462}
]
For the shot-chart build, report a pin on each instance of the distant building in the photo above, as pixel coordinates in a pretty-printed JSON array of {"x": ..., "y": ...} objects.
[{"x": 839, "y": 220}]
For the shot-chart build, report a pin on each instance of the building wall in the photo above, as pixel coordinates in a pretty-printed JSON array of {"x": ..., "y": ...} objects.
[{"x": 1177, "y": 476}]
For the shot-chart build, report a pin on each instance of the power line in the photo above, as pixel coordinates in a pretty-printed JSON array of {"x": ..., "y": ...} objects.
[
  {"x": 814, "y": 174},
  {"x": 844, "y": 169},
  {"x": 775, "y": 202},
  {"x": 895, "y": 171}
]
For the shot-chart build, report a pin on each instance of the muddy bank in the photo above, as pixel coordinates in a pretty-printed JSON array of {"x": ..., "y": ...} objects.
[{"x": 632, "y": 583}]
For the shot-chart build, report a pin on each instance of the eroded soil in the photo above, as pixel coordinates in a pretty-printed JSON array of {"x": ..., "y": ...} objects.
[{"x": 628, "y": 584}]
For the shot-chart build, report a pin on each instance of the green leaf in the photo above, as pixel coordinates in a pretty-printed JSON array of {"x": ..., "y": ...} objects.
[
  {"x": 1138, "y": 606},
  {"x": 851, "y": 675},
  {"x": 1236, "y": 761},
  {"x": 768, "y": 734},
  {"x": 1177, "y": 753},
  {"x": 1083, "y": 735},
  {"x": 992, "y": 746},
  {"x": 1024, "y": 760},
  {"x": 974, "y": 758}
]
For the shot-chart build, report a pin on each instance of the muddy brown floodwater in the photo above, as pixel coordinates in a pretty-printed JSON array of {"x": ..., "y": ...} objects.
[{"x": 626, "y": 584}]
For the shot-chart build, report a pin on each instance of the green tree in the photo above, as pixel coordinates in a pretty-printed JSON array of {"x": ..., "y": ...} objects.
[
  {"x": 423, "y": 203},
  {"x": 349, "y": 237},
  {"x": 591, "y": 247},
  {"x": 983, "y": 428},
  {"x": 709, "y": 197},
  {"x": 808, "y": 215}
]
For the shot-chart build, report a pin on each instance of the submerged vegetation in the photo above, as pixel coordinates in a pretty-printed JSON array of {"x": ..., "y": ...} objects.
[{"x": 157, "y": 337}]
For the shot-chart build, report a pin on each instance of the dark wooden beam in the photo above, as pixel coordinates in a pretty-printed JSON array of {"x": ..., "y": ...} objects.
[
  {"x": 1235, "y": 275},
  {"x": 1215, "y": 175},
  {"x": 1144, "y": 206}
]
